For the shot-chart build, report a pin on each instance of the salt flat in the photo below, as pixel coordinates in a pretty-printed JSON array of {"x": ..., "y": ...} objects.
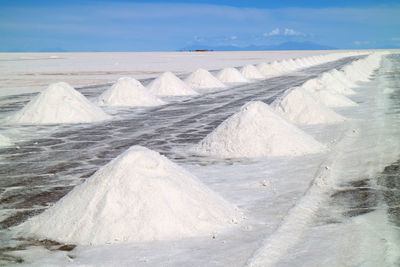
[
  {"x": 314, "y": 209},
  {"x": 30, "y": 72}
]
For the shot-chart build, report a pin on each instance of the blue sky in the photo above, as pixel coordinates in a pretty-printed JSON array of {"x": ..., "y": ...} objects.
[{"x": 124, "y": 25}]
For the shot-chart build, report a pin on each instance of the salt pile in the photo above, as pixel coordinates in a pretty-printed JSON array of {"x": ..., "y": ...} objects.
[
  {"x": 59, "y": 103},
  {"x": 331, "y": 99},
  {"x": 331, "y": 83},
  {"x": 299, "y": 106},
  {"x": 201, "y": 78},
  {"x": 130, "y": 93},
  {"x": 4, "y": 141},
  {"x": 256, "y": 131},
  {"x": 251, "y": 72},
  {"x": 138, "y": 196},
  {"x": 267, "y": 70},
  {"x": 231, "y": 75},
  {"x": 167, "y": 84}
]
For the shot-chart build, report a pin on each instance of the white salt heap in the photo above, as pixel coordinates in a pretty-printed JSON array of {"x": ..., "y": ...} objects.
[
  {"x": 251, "y": 72},
  {"x": 167, "y": 84},
  {"x": 256, "y": 131},
  {"x": 267, "y": 70},
  {"x": 4, "y": 141},
  {"x": 298, "y": 106},
  {"x": 59, "y": 103},
  {"x": 333, "y": 84},
  {"x": 130, "y": 93},
  {"x": 138, "y": 196},
  {"x": 201, "y": 78},
  {"x": 331, "y": 99},
  {"x": 231, "y": 75}
]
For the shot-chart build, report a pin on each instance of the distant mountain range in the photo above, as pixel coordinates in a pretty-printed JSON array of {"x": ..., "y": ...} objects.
[{"x": 279, "y": 47}]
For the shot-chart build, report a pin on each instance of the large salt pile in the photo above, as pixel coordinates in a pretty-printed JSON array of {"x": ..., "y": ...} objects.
[
  {"x": 201, "y": 78},
  {"x": 4, "y": 141},
  {"x": 128, "y": 92},
  {"x": 256, "y": 131},
  {"x": 231, "y": 75},
  {"x": 167, "y": 84},
  {"x": 267, "y": 70},
  {"x": 59, "y": 103},
  {"x": 298, "y": 106},
  {"x": 138, "y": 196}
]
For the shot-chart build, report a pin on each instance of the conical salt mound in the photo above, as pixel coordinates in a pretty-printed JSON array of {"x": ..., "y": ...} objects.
[
  {"x": 4, "y": 141},
  {"x": 251, "y": 72},
  {"x": 201, "y": 78},
  {"x": 167, "y": 84},
  {"x": 138, "y": 196},
  {"x": 231, "y": 75},
  {"x": 128, "y": 92},
  {"x": 257, "y": 131},
  {"x": 267, "y": 70},
  {"x": 335, "y": 85},
  {"x": 331, "y": 99},
  {"x": 59, "y": 103},
  {"x": 300, "y": 107}
]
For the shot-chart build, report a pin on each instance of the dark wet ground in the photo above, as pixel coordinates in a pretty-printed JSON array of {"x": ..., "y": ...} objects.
[{"x": 38, "y": 172}]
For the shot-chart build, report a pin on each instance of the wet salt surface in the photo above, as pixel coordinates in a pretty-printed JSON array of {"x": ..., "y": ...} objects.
[{"x": 42, "y": 170}]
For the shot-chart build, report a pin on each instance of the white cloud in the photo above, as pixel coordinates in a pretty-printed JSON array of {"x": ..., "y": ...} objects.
[
  {"x": 285, "y": 32},
  {"x": 291, "y": 32},
  {"x": 273, "y": 32},
  {"x": 233, "y": 37}
]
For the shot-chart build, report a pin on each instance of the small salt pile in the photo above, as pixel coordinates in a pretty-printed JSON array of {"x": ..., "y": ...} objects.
[
  {"x": 251, "y": 72},
  {"x": 298, "y": 106},
  {"x": 128, "y": 92},
  {"x": 167, "y": 84},
  {"x": 139, "y": 196},
  {"x": 202, "y": 78},
  {"x": 4, "y": 141},
  {"x": 59, "y": 103},
  {"x": 267, "y": 70},
  {"x": 231, "y": 75},
  {"x": 257, "y": 131}
]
